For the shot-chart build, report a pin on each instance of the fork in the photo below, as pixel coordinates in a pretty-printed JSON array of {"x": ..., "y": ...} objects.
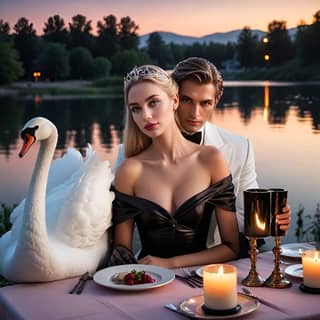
[
  {"x": 79, "y": 286},
  {"x": 192, "y": 276}
]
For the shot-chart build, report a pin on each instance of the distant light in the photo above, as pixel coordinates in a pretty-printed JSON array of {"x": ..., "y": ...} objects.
[
  {"x": 36, "y": 75},
  {"x": 266, "y": 57},
  {"x": 265, "y": 40}
]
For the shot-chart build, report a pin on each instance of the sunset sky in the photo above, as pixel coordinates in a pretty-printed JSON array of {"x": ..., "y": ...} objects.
[{"x": 185, "y": 17}]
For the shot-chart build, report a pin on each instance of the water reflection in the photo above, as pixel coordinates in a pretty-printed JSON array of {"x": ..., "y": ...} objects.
[
  {"x": 76, "y": 119},
  {"x": 275, "y": 101}
]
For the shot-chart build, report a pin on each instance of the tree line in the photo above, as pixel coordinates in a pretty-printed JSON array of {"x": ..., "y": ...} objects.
[{"x": 73, "y": 52}]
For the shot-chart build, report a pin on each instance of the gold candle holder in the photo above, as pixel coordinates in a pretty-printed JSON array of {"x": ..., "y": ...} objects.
[
  {"x": 256, "y": 225},
  {"x": 277, "y": 278},
  {"x": 253, "y": 279}
]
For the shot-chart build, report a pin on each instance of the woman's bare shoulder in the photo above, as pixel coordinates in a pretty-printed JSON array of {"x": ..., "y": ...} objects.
[
  {"x": 214, "y": 161},
  {"x": 127, "y": 174},
  {"x": 210, "y": 153}
]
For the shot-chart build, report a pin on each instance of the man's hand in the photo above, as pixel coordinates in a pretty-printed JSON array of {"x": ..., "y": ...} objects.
[{"x": 284, "y": 218}]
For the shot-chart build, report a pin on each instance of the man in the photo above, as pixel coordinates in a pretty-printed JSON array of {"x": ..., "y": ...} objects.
[{"x": 200, "y": 89}]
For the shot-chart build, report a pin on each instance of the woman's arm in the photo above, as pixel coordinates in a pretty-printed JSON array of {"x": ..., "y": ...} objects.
[
  {"x": 227, "y": 250},
  {"x": 124, "y": 182}
]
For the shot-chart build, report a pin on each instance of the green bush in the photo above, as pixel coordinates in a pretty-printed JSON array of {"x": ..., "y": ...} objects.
[
  {"x": 5, "y": 224},
  {"x": 109, "y": 81}
]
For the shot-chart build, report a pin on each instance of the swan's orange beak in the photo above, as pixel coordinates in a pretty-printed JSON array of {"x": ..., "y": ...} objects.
[{"x": 27, "y": 143}]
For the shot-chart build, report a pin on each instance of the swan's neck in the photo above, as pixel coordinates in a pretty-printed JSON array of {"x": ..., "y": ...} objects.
[{"x": 34, "y": 234}]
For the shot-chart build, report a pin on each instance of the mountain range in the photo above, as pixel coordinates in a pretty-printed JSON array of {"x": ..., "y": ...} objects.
[{"x": 218, "y": 37}]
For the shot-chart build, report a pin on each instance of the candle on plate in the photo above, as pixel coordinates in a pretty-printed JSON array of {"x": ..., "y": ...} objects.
[
  {"x": 220, "y": 286},
  {"x": 311, "y": 268}
]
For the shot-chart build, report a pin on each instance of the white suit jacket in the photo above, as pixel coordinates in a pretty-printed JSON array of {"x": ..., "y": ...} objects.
[{"x": 238, "y": 153}]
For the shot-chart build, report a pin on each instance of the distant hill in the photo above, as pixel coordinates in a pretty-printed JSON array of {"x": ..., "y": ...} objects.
[{"x": 218, "y": 37}]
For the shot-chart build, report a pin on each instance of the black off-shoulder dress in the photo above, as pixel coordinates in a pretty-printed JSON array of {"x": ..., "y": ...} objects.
[{"x": 183, "y": 231}]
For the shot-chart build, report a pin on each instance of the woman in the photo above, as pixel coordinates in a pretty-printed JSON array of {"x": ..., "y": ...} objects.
[{"x": 168, "y": 185}]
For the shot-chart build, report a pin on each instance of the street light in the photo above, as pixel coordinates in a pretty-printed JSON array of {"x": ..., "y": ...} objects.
[
  {"x": 265, "y": 40},
  {"x": 266, "y": 57}
]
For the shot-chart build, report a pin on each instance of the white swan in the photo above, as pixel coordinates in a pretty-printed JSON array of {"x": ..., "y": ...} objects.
[{"x": 62, "y": 231}]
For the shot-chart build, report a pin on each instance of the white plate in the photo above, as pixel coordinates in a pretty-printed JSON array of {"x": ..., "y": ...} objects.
[
  {"x": 161, "y": 275},
  {"x": 295, "y": 270},
  {"x": 193, "y": 307},
  {"x": 294, "y": 250}
]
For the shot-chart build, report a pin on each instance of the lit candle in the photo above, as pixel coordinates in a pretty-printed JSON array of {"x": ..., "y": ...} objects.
[
  {"x": 220, "y": 286},
  {"x": 257, "y": 214},
  {"x": 311, "y": 268}
]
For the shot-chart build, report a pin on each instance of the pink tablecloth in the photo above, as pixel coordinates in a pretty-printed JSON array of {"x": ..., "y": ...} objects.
[{"x": 51, "y": 300}]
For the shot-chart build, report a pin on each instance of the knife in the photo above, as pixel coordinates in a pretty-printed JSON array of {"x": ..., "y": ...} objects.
[{"x": 246, "y": 292}]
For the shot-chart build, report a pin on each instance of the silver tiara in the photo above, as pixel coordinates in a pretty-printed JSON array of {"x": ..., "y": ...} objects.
[{"x": 139, "y": 73}]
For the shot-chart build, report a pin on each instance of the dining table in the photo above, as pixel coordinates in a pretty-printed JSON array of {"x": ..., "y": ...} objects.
[{"x": 51, "y": 300}]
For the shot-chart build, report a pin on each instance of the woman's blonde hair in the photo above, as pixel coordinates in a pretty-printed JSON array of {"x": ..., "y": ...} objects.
[{"x": 134, "y": 140}]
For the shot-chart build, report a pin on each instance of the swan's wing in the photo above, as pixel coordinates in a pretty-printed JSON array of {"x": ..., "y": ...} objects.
[
  {"x": 62, "y": 168},
  {"x": 86, "y": 212}
]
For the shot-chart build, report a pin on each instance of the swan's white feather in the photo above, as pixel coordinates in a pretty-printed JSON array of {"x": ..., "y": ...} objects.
[{"x": 85, "y": 213}]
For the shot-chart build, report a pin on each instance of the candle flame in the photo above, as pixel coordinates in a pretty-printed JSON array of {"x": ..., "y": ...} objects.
[
  {"x": 220, "y": 271},
  {"x": 316, "y": 257},
  {"x": 261, "y": 225}
]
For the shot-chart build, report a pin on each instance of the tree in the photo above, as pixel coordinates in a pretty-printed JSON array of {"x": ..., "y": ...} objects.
[
  {"x": 107, "y": 42},
  {"x": 218, "y": 52},
  {"x": 101, "y": 67},
  {"x": 81, "y": 63},
  {"x": 279, "y": 47},
  {"x": 128, "y": 37},
  {"x": 307, "y": 42},
  {"x": 124, "y": 61},
  {"x": 80, "y": 32},
  {"x": 27, "y": 44},
  {"x": 10, "y": 66},
  {"x": 4, "y": 27},
  {"x": 158, "y": 50},
  {"x": 247, "y": 48},
  {"x": 55, "y": 30},
  {"x": 53, "y": 62}
]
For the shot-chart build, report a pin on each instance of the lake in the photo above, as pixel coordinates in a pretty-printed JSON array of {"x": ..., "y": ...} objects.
[{"x": 281, "y": 119}]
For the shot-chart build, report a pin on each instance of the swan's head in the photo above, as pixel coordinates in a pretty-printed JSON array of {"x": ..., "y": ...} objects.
[{"x": 36, "y": 129}]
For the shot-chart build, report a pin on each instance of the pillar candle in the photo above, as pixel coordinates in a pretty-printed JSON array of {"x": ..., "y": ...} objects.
[
  {"x": 311, "y": 268},
  {"x": 220, "y": 286}
]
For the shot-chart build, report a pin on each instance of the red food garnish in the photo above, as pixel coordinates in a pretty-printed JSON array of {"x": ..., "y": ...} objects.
[{"x": 137, "y": 277}]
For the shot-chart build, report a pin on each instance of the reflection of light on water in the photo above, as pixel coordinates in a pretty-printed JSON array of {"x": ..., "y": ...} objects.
[
  {"x": 266, "y": 101},
  {"x": 260, "y": 224}
]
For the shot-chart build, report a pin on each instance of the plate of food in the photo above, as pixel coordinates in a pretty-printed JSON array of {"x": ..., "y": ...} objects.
[
  {"x": 133, "y": 277},
  {"x": 294, "y": 250},
  {"x": 295, "y": 270}
]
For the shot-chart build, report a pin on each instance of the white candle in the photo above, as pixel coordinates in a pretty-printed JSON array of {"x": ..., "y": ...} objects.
[
  {"x": 311, "y": 268},
  {"x": 220, "y": 286}
]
